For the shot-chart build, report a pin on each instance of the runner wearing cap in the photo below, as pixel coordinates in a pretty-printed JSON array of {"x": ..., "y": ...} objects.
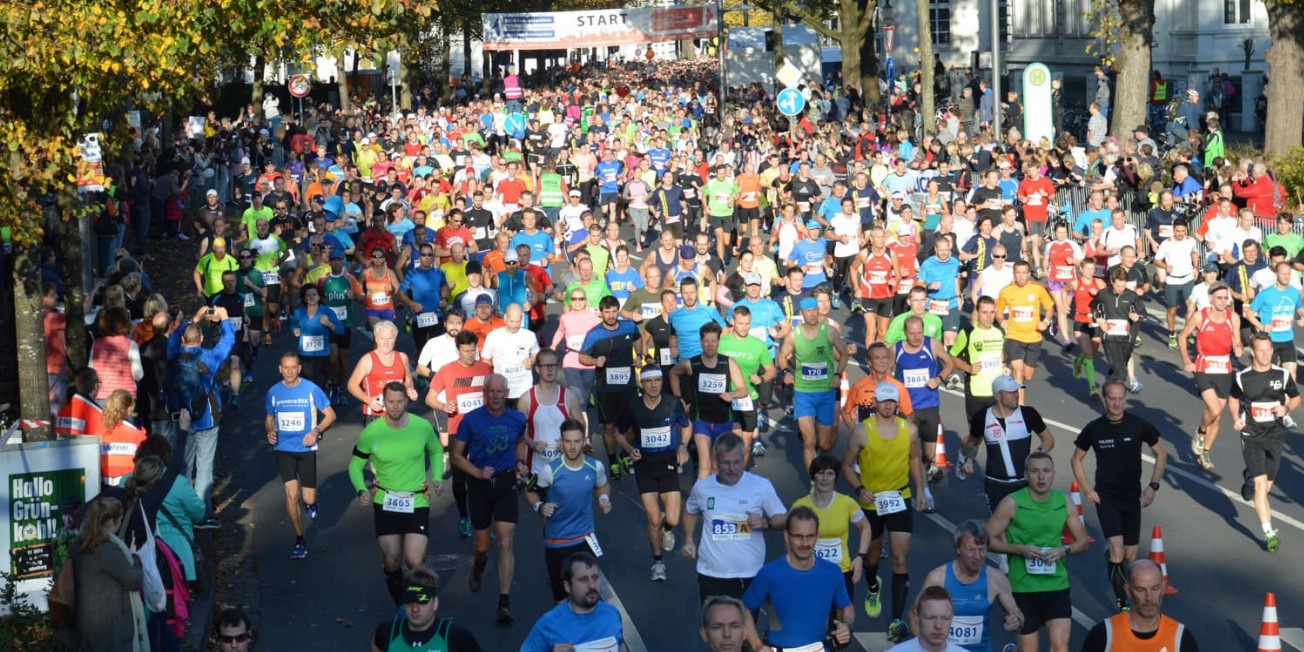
[
  {"x": 875, "y": 272},
  {"x": 882, "y": 459},
  {"x": 1006, "y": 428},
  {"x": 209, "y": 269},
  {"x": 657, "y": 433},
  {"x": 418, "y": 627},
  {"x": 813, "y": 362},
  {"x": 1217, "y": 331},
  {"x": 811, "y": 255},
  {"x": 482, "y": 319}
]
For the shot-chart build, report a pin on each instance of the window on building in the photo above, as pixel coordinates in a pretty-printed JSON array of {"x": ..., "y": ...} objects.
[
  {"x": 1236, "y": 12},
  {"x": 939, "y": 21},
  {"x": 1003, "y": 14},
  {"x": 1073, "y": 21},
  {"x": 1035, "y": 19}
]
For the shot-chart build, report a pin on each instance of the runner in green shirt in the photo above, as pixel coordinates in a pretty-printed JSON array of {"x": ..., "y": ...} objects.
[
  {"x": 979, "y": 351},
  {"x": 254, "y": 213},
  {"x": 400, "y": 493},
  {"x": 757, "y": 365},
  {"x": 918, "y": 303},
  {"x": 338, "y": 288},
  {"x": 249, "y": 284},
  {"x": 721, "y": 196},
  {"x": 1284, "y": 238}
]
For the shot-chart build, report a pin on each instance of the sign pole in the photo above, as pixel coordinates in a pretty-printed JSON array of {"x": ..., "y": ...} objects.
[
  {"x": 719, "y": 51},
  {"x": 996, "y": 71}
]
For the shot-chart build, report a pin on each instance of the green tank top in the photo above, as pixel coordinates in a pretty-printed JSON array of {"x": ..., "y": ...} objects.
[
  {"x": 983, "y": 348},
  {"x": 1037, "y": 524},
  {"x": 253, "y": 302},
  {"x": 550, "y": 194},
  {"x": 438, "y": 643},
  {"x": 815, "y": 363},
  {"x": 335, "y": 294}
]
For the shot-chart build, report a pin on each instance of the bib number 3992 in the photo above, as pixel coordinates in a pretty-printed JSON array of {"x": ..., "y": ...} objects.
[{"x": 889, "y": 502}]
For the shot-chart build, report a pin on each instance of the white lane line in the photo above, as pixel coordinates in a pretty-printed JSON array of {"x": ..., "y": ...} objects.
[
  {"x": 1293, "y": 637},
  {"x": 1234, "y": 496},
  {"x": 633, "y": 640},
  {"x": 1078, "y": 616}
]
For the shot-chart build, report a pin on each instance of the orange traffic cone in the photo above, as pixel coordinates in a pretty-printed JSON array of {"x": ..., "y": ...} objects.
[
  {"x": 1157, "y": 556},
  {"x": 939, "y": 459},
  {"x": 1269, "y": 631},
  {"x": 1075, "y": 493},
  {"x": 844, "y": 390}
]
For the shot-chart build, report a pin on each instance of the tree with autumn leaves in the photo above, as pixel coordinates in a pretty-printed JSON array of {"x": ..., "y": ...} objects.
[{"x": 72, "y": 66}]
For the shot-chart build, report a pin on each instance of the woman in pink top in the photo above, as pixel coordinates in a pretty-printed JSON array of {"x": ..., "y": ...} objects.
[
  {"x": 115, "y": 356},
  {"x": 573, "y": 326}
]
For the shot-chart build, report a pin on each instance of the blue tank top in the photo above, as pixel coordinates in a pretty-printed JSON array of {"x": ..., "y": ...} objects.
[
  {"x": 972, "y": 608},
  {"x": 914, "y": 370}
]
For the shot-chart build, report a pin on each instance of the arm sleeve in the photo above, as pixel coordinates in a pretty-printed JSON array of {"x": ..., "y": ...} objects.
[
  {"x": 978, "y": 421},
  {"x": 361, "y": 452},
  {"x": 1188, "y": 643}
]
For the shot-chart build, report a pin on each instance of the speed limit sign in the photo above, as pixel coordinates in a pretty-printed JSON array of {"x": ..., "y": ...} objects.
[{"x": 299, "y": 85}]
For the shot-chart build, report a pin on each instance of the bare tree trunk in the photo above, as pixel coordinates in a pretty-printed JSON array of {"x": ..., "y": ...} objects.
[
  {"x": 868, "y": 72},
  {"x": 445, "y": 65},
  {"x": 926, "y": 80},
  {"x": 1131, "y": 87},
  {"x": 33, "y": 384},
  {"x": 1286, "y": 71},
  {"x": 345, "y": 82},
  {"x": 466, "y": 55},
  {"x": 70, "y": 243},
  {"x": 406, "y": 80},
  {"x": 260, "y": 72}
]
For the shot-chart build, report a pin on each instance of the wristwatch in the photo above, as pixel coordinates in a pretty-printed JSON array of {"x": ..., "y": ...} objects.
[{"x": 1154, "y": 486}]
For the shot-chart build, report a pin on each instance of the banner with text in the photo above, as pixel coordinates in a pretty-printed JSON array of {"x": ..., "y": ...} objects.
[{"x": 584, "y": 29}]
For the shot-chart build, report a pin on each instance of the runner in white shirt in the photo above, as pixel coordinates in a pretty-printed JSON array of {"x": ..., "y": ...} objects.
[
  {"x": 1267, "y": 277},
  {"x": 1120, "y": 234},
  {"x": 1177, "y": 257},
  {"x": 511, "y": 350},
  {"x": 995, "y": 277},
  {"x": 1199, "y": 299},
  {"x": 934, "y": 613},
  {"x": 734, "y": 506}
]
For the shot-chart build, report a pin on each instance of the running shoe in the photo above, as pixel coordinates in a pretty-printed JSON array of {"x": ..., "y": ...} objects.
[
  {"x": 475, "y": 579},
  {"x": 1247, "y": 488},
  {"x": 758, "y": 448},
  {"x": 837, "y": 303},
  {"x": 504, "y": 616},
  {"x": 627, "y": 465},
  {"x": 1205, "y": 461},
  {"x": 873, "y": 607},
  {"x": 312, "y": 512},
  {"x": 667, "y": 539},
  {"x": 209, "y": 523},
  {"x": 1093, "y": 391},
  {"x": 300, "y": 550},
  {"x": 897, "y": 631},
  {"x": 1136, "y": 342},
  {"x": 234, "y": 402},
  {"x": 953, "y": 382},
  {"x": 1172, "y": 341},
  {"x": 1197, "y": 444},
  {"x": 1271, "y": 540},
  {"x": 1135, "y": 386},
  {"x": 616, "y": 473},
  {"x": 464, "y": 528},
  {"x": 658, "y": 571}
]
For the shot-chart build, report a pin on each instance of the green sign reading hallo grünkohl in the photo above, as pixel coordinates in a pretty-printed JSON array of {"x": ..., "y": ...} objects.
[{"x": 36, "y": 505}]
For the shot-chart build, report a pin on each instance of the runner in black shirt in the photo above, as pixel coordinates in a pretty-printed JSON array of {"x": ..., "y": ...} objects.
[
  {"x": 1117, "y": 438},
  {"x": 481, "y": 222},
  {"x": 1007, "y": 430},
  {"x": 1261, "y": 400},
  {"x": 659, "y": 338}
]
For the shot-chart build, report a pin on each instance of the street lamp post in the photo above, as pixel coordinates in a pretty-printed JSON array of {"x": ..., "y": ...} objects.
[{"x": 996, "y": 69}]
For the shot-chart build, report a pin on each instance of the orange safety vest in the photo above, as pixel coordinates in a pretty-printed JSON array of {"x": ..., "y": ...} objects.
[
  {"x": 118, "y": 451},
  {"x": 1119, "y": 636},
  {"x": 81, "y": 416}
]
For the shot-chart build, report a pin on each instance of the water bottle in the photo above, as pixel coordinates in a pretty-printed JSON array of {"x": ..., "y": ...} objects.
[{"x": 960, "y": 473}]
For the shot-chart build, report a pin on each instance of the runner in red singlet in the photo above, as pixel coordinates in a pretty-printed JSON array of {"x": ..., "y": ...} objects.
[
  {"x": 1085, "y": 289},
  {"x": 875, "y": 271},
  {"x": 378, "y": 367},
  {"x": 1061, "y": 258},
  {"x": 1217, "y": 331}
]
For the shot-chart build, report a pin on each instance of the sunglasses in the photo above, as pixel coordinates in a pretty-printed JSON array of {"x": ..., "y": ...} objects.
[
  {"x": 238, "y": 638},
  {"x": 579, "y": 298},
  {"x": 377, "y": 257},
  {"x": 426, "y": 255},
  {"x": 512, "y": 262},
  {"x": 995, "y": 256}
]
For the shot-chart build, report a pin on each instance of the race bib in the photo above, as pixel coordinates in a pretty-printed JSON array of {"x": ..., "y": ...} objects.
[
  {"x": 815, "y": 268},
  {"x": 1063, "y": 273},
  {"x": 1261, "y": 411},
  {"x": 1021, "y": 313},
  {"x": 427, "y": 319},
  {"x": 271, "y": 278},
  {"x": 1038, "y": 566},
  {"x": 312, "y": 343},
  {"x": 742, "y": 404},
  {"x": 966, "y": 630},
  {"x": 759, "y": 332},
  {"x": 1218, "y": 364},
  {"x": 650, "y": 310},
  {"x": 711, "y": 383},
  {"x": 592, "y": 540},
  {"x": 803, "y": 206},
  {"x": 550, "y": 452},
  {"x": 291, "y": 421},
  {"x": 574, "y": 342},
  {"x": 1116, "y": 327},
  {"x": 815, "y": 371},
  {"x": 399, "y": 502},
  {"x": 379, "y": 299},
  {"x": 888, "y": 502},
  {"x": 817, "y": 646},
  {"x": 730, "y": 527},
  {"x": 654, "y": 437},
  {"x": 939, "y": 308},
  {"x": 469, "y": 401},
  {"x": 1280, "y": 324},
  {"x": 667, "y": 357},
  {"x": 608, "y": 644},
  {"x": 915, "y": 378},
  {"x": 1165, "y": 230},
  {"x": 249, "y": 300},
  {"x": 618, "y": 375},
  {"x": 341, "y": 312},
  {"x": 829, "y": 549},
  {"x": 236, "y": 323},
  {"x": 990, "y": 363},
  {"x": 877, "y": 278}
]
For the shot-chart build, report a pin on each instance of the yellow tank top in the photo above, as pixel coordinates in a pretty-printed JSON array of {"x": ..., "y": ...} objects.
[{"x": 885, "y": 463}]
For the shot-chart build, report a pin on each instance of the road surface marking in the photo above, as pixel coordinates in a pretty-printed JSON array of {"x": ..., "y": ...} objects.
[{"x": 633, "y": 639}]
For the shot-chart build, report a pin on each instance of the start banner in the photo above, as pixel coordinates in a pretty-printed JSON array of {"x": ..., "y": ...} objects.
[{"x": 583, "y": 29}]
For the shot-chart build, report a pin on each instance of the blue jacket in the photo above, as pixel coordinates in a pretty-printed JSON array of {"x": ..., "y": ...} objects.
[{"x": 212, "y": 359}]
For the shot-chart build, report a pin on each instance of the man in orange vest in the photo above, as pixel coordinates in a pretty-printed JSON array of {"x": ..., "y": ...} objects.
[
  {"x": 1142, "y": 628},
  {"x": 81, "y": 415}
]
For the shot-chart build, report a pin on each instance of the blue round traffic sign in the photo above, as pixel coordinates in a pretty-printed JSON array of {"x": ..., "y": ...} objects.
[{"x": 790, "y": 102}]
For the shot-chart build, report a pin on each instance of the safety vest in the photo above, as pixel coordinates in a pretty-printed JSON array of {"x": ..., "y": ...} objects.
[
  {"x": 118, "y": 452},
  {"x": 1119, "y": 636},
  {"x": 550, "y": 193},
  {"x": 1160, "y": 92}
]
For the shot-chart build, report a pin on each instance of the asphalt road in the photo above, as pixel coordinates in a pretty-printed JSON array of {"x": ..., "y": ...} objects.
[{"x": 336, "y": 597}]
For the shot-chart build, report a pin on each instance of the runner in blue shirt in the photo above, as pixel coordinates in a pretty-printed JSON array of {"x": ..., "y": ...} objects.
[
  {"x": 293, "y": 428},
  {"x": 802, "y": 590},
  {"x": 424, "y": 291},
  {"x": 811, "y": 254},
  {"x": 940, "y": 275},
  {"x": 312, "y": 323},
  {"x": 686, "y": 322},
  {"x": 768, "y": 321},
  {"x": 567, "y": 504},
  {"x": 1276, "y": 310},
  {"x": 583, "y": 621}
]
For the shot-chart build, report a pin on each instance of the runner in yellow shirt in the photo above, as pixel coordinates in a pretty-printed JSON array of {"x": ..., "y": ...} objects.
[
  {"x": 1030, "y": 312},
  {"x": 837, "y": 512}
]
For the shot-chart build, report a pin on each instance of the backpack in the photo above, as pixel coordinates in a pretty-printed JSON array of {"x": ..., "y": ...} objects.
[
  {"x": 176, "y": 611},
  {"x": 1173, "y": 108},
  {"x": 183, "y": 384}
]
